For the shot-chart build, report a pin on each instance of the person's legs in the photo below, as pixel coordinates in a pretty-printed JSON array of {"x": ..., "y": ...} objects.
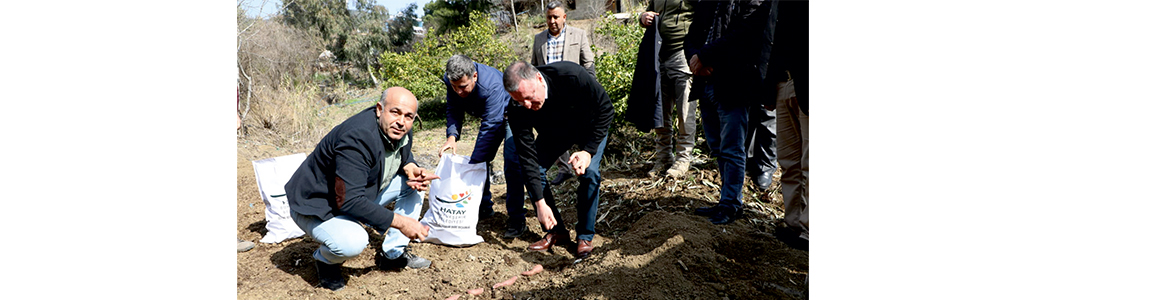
[
  {"x": 733, "y": 122},
  {"x": 761, "y": 155},
  {"x": 485, "y": 202},
  {"x": 678, "y": 89},
  {"x": 790, "y": 156},
  {"x": 558, "y": 234},
  {"x": 514, "y": 180},
  {"x": 804, "y": 169},
  {"x": 711, "y": 127},
  {"x": 664, "y": 136},
  {"x": 408, "y": 203},
  {"x": 563, "y": 169},
  {"x": 588, "y": 195},
  {"x": 550, "y": 200},
  {"x": 341, "y": 237}
]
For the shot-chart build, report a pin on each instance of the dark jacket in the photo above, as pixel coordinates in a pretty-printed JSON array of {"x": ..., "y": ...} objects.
[
  {"x": 673, "y": 23},
  {"x": 488, "y": 101},
  {"x": 790, "y": 49},
  {"x": 343, "y": 174},
  {"x": 644, "y": 108},
  {"x": 577, "y": 112},
  {"x": 741, "y": 48}
]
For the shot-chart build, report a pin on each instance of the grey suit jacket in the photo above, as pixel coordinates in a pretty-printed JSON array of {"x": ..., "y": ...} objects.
[{"x": 576, "y": 48}]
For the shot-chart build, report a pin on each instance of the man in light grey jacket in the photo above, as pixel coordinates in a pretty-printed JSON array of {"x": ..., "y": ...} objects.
[{"x": 561, "y": 43}]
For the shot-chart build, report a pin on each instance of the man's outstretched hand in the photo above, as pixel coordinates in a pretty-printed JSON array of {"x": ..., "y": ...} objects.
[{"x": 418, "y": 178}]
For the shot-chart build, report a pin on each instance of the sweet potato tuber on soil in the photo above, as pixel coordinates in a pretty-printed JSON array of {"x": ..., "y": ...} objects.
[
  {"x": 535, "y": 269},
  {"x": 508, "y": 282}
]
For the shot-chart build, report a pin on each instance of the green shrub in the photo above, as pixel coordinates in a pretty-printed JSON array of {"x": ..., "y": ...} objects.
[
  {"x": 615, "y": 71},
  {"x": 420, "y": 70}
]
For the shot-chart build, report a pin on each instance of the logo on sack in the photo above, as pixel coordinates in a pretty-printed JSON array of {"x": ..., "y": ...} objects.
[{"x": 459, "y": 199}]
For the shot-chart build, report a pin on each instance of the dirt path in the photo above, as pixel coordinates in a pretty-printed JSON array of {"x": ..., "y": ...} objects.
[{"x": 649, "y": 245}]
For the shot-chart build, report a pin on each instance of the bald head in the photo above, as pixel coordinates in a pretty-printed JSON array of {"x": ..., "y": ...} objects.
[
  {"x": 400, "y": 94},
  {"x": 396, "y": 112}
]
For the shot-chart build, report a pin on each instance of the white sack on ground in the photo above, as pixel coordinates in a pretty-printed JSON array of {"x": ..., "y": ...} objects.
[
  {"x": 271, "y": 175},
  {"x": 454, "y": 201}
]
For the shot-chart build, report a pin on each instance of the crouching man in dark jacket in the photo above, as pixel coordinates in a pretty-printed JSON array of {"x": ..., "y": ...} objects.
[
  {"x": 567, "y": 106},
  {"x": 362, "y": 165}
]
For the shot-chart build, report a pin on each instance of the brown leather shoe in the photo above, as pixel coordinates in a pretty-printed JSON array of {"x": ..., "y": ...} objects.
[
  {"x": 549, "y": 239},
  {"x": 584, "y": 248}
]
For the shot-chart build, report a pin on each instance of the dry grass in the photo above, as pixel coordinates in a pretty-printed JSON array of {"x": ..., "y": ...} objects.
[{"x": 295, "y": 117}]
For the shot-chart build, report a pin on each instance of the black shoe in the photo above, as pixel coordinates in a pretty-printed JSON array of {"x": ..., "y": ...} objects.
[
  {"x": 406, "y": 260},
  {"x": 561, "y": 177},
  {"x": 707, "y": 211},
  {"x": 763, "y": 181},
  {"x": 485, "y": 211},
  {"x": 791, "y": 238},
  {"x": 514, "y": 231},
  {"x": 725, "y": 216},
  {"x": 330, "y": 276}
]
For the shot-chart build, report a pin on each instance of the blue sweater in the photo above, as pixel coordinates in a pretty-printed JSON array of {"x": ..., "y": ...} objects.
[{"x": 489, "y": 101}]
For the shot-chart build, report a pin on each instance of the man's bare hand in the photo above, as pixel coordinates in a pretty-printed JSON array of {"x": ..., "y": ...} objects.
[
  {"x": 544, "y": 215},
  {"x": 418, "y": 178},
  {"x": 410, "y": 228},
  {"x": 697, "y": 67},
  {"x": 450, "y": 144},
  {"x": 647, "y": 18},
  {"x": 580, "y": 161}
]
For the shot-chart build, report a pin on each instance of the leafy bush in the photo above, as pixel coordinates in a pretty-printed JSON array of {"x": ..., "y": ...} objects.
[
  {"x": 420, "y": 70},
  {"x": 615, "y": 71}
]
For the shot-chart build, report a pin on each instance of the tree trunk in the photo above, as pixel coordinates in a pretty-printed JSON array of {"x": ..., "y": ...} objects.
[{"x": 515, "y": 24}]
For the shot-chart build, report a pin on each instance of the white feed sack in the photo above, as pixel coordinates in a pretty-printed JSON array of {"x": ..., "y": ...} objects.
[
  {"x": 271, "y": 175},
  {"x": 454, "y": 201}
]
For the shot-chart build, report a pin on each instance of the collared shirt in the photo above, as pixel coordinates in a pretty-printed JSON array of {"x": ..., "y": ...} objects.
[
  {"x": 393, "y": 157},
  {"x": 546, "y": 89},
  {"x": 555, "y": 48}
]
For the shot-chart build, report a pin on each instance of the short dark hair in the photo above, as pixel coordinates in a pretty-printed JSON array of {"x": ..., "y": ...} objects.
[
  {"x": 383, "y": 99},
  {"x": 516, "y": 72},
  {"x": 459, "y": 65},
  {"x": 555, "y": 4}
]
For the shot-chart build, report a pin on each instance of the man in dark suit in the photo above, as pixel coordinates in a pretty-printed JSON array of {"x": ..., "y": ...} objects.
[
  {"x": 568, "y": 107},
  {"x": 358, "y": 168},
  {"x": 562, "y": 43}
]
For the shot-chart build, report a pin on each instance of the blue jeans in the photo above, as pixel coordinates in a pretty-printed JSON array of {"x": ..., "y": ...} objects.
[
  {"x": 587, "y": 196},
  {"x": 514, "y": 179},
  {"x": 511, "y": 174},
  {"x": 725, "y": 125},
  {"x": 343, "y": 238}
]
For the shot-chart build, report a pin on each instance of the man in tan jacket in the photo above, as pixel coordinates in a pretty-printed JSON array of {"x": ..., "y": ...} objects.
[{"x": 561, "y": 43}]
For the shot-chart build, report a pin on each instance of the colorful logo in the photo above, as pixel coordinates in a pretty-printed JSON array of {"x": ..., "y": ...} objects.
[{"x": 459, "y": 199}]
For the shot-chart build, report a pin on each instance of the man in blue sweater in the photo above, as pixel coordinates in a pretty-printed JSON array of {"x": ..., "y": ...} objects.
[{"x": 479, "y": 90}]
